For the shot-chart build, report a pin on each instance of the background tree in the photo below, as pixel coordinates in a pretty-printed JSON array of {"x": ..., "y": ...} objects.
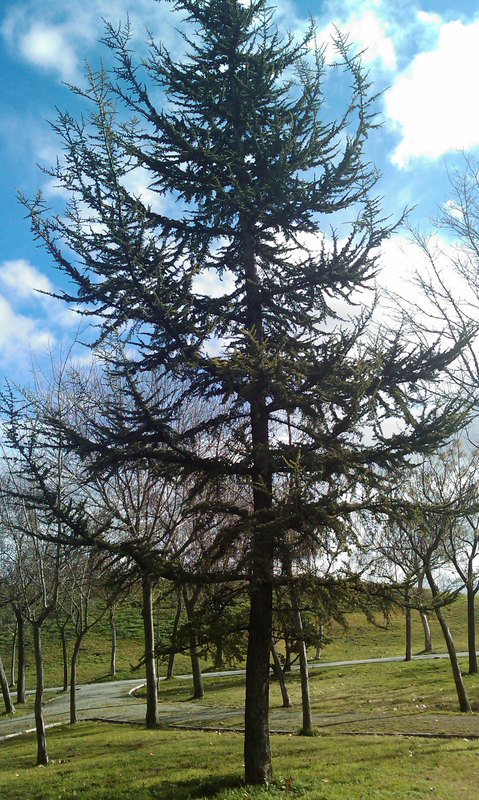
[
  {"x": 9, "y": 707},
  {"x": 248, "y": 172},
  {"x": 461, "y": 542},
  {"x": 436, "y": 503}
]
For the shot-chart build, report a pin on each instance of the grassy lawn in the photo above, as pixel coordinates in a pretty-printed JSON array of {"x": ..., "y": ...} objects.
[
  {"x": 109, "y": 762},
  {"x": 106, "y": 762},
  {"x": 394, "y": 687}
]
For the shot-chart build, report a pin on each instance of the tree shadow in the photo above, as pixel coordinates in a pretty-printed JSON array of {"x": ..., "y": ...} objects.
[{"x": 195, "y": 787}]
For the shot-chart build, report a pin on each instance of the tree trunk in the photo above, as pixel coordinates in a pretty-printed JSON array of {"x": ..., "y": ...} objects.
[
  {"x": 407, "y": 610},
  {"x": 287, "y": 654},
  {"x": 424, "y": 619},
  {"x": 13, "y": 656},
  {"x": 279, "y": 674},
  {"x": 307, "y": 726},
  {"x": 5, "y": 690},
  {"x": 219, "y": 660},
  {"x": 471, "y": 630},
  {"x": 21, "y": 694},
  {"x": 174, "y": 636},
  {"x": 65, "y": 657},
  {"x": 408, "y": 655},
  {"x": 113, "y": 642},
  {"x": 149, "y": 630},
  {"x": 198, "y": 687},
  {"x": 257, "y": 750},
  {"x": 42, "y": 755},
  {"x": 73, "y": 679},
  {"x": 464, "y": 704},
  {"x": 317, "y": 654},
  {"x": 427, "y": 632}
]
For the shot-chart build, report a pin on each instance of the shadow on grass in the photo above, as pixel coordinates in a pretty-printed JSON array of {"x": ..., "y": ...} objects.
[{"x": 207, "y": 787}]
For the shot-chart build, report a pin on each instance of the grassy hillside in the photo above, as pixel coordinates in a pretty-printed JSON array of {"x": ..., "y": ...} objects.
[{"x": 360, "y": 639}]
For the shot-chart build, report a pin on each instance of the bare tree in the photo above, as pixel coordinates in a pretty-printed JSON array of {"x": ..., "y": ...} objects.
[
  {"x": 435, "y": 503},
  {"x": 9, "y": 707}
]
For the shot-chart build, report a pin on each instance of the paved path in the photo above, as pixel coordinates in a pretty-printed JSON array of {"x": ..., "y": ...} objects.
[{"x": 116, "y": 701}]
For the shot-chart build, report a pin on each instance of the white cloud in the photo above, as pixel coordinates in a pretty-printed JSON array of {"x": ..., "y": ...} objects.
[
  {"x": 57, "y": 35},
  {"x": 209, "y": 284},
  {"x": 366, "y": 32},
  {"x": 20, "y": 334},
  {"x": 432, "y": 101},
  {"x": 23, "y": 279},
  {"x": 137, "y": 183},
  {"x": 48, "y": 47}
]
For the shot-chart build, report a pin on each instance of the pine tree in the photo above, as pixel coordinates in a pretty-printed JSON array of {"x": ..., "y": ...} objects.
[{"x": 247, "y": 174}]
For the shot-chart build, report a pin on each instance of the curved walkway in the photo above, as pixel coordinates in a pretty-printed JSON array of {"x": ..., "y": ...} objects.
[{"x": 116, "y": 702}]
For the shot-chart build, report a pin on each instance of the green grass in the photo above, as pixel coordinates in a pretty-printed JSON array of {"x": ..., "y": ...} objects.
[
  {"x": 108, "y": 762},
  {"x": 101, "y": 762},
  {"x": 94, "y": 658},
  {"x": 360, "y": 639},
  {"x": 392, "y": 687}
]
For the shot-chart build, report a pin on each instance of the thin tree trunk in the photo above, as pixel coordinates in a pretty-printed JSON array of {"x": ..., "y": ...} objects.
[
  {"x": 42, "y": 755},
  {"x": 149, "y": 630},
  {"x": 424, "y": 619},
  {"x": 287, "y": 654},
  {"x": 471, "y": 630},
  {"x": 5, "y": 690},
  {"x": 307, "y": 726},
  {"x": 73, "y": 679},
  {"x": 317, "y": 654},
  {"x": 219, "y": 660},
  {"x": 464, "y": 704},
  {"x": 13, "y": 656},
  {"x": 64, "y": 656},
  {"x": 408, "y": 613},
  {"x": 174, "y": 636},
  {"x": 427, "y": 632},
  {"x": 198, "y": 686},
  {"x": 279, "y": 674},
  {"x": 113, "y": 642},
  {"x": 21, "y": 693}
]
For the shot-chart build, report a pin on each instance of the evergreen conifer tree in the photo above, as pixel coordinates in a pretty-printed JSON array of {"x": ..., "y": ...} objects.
[{"x": 247, "y": 173}]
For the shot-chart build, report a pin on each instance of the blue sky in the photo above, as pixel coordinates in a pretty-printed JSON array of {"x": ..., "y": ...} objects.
[{"x": 424, "y": 55}]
